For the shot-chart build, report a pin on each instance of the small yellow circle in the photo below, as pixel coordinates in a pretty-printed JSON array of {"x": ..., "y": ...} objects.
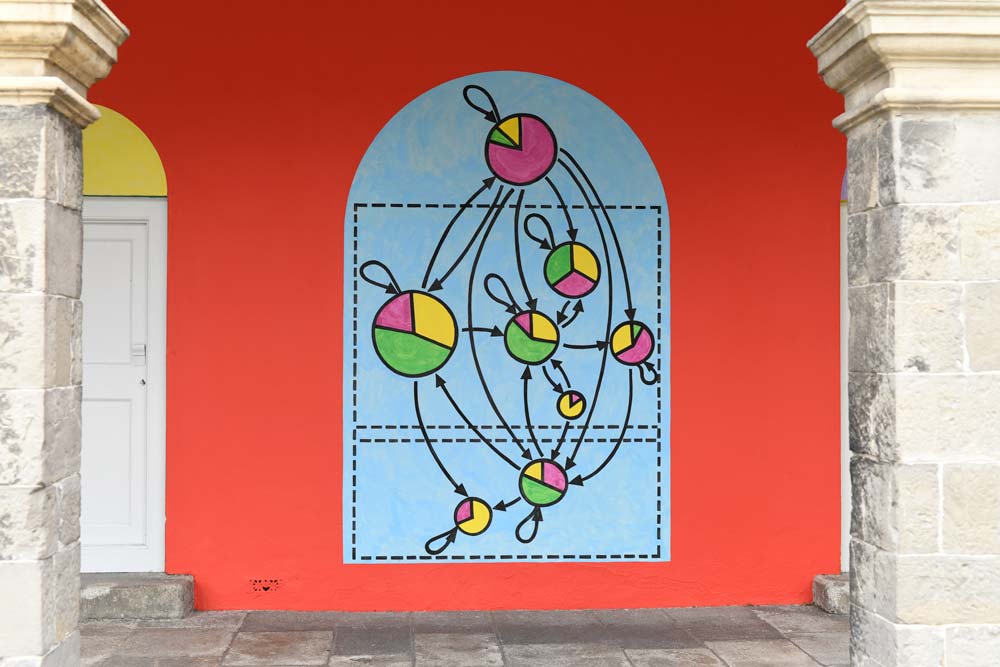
[
  {"x": 571, "y": 404},
  {"x": 473, "y": 516}
]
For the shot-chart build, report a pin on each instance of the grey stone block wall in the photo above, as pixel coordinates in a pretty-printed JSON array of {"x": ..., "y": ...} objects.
[
  {"x": 40, "y": 378},
  {"x": 924, "y": 296}
]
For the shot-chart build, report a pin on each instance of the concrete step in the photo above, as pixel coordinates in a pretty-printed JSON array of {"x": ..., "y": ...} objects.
[
  {"x": 832, "y": 592},
  {"x": 135, "y": 595}
]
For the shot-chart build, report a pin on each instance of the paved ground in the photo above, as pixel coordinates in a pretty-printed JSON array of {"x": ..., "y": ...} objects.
[{"x": 704, "y": 637}]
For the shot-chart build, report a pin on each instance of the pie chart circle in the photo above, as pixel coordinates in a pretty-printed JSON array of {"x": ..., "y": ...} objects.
[
  {"x": 531, "y": 337},
  {"x": 543, "y": 482},
  {"x": 520, "y": 149},
  {"x": 414, "y": 334},
  {"x": 473, "y": 516},
  {"x": 632, "y": 343},
  {"x": 571, "y": 404},
  {"x": 572, "y": 270}
]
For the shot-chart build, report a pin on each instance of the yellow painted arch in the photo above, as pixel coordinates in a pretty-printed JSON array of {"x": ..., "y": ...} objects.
[{"x": 120, "y": 160}]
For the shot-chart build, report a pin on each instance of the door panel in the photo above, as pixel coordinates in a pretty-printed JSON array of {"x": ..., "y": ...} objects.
[{"x": 123, "y": 351}]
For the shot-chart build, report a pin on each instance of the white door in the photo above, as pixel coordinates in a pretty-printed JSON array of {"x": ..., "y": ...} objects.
[{"x": 124, "y": 373}]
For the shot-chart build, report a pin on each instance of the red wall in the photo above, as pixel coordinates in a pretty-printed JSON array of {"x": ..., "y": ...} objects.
[{"x": 262, "y": 117}]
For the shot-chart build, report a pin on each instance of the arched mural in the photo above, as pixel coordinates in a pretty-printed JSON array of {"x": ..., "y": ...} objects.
[
  {"x": 507, "y": 355},
  {"x": 119, "y": 159}
]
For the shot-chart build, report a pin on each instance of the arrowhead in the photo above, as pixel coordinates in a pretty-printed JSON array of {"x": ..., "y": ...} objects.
[
  {"x": 560, "y": 316},
  {"x": 439, "y": 381},
  {"x": 537, "y": 515},
  {"x": 630, "y": 313},
  {"x": 452, "y": 535},
  {"x": 556, "y": 363},
  {"x": 532, "y": 304},
  {"x": 578, "y": 307},
  {"x": 488, "y": 182},
  {"x": 512, "y": 309},
  {"x": 391, "y": 289},
  {"x": 601, "y": 345},
  {"x": 570, "y": 463},
  {"x": 554, "y": 453},
  {"x": 544, "y": 245},
  {"x": 492, "y": 117},
  {"x": 526, "y": 375},
  {"x": 577, "y": 480},
  {"x": 460, "y": 490},
  {"x": 526, "y": 454},
  {"x": 572, "y": 233},
  {"x": 558, "y": 388},
  {"x": 435, "y": 286},
  {"x": 500, "y": 507},
  {"x": 495, "y": 332},
  {"x": 649, "y": 366}
]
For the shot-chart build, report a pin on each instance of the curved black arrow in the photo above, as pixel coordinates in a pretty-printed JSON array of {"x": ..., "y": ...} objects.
[
  {"x": 630, "y": 311},
  {"x": 494, "y": 332},
  {"x": 571, "y": 231},
  {"x": 502, "y": 505},
  {"x": 448, "y": 536},
  {"x": 562, "y": 439},
  {"x": 577, "y": 309},
  {"x": 511, "y": 304},
  {"x": 525, "y": 452},
  {"x": 391, "y": 287},
  {"x": 492, "y": 114},
  {"x": 536, "y": 518},
  {"x": 440, "y": 383},
  {"x": 487, "y": 184},
  {"x": 526, "y": 376},
  {"x": 578, "y": 480},
  {"x": 599, "y": 345},
  {"x": 603, "y": 346},
  {"x": 517, "y": 248},
  {"x": 546, "y": 243},
  {"x": 654, "y": 376},
  {"x": 556, "y": 387},
  {"x": 493, "y": 208},
  {"x": 556, "y": 364},
  {"x": 459, "y": 489}
]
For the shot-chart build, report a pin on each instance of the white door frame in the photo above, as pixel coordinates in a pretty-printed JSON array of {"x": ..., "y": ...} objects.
[{"x": 148, "y": 557}]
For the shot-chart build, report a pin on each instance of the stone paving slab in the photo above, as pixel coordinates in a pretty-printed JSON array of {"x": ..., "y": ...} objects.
[{"x": 693, "y": 637}]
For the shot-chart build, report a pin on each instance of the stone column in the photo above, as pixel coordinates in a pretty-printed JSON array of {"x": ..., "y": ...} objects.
[
  {"x": 921, "y": 80},
  {"x": 50, "y": 54}
]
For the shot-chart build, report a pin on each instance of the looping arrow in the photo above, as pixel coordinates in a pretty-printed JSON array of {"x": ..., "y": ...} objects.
[
  {"x": 391, "y": 287},
  {"x": 448, "y": 536},
  {"x": 654, "y": 376},
  {"x": 571, "y": 231},
  {"x": 492, "y": 114},
  {"x": 509, "y": 304},
  {"x": 536, "y": 518},
  {"x": 548, "y": 241}
]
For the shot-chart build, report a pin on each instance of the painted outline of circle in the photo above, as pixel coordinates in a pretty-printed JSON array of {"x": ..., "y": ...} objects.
[
  {"x": 596, "y": 261},
  {"x": 454, "y": 324},
  {"x": 582, "y": 410},
  {"x": 489, "y": 521},
  {"x": 555, "y": 346},
  {"x": 652, "y": 346},
  {"x": 520, "y": 475},
  {"x": 555, "y": 149}
]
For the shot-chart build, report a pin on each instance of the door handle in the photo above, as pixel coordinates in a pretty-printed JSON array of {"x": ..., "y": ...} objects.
[{"x": 138, "y": 354}]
